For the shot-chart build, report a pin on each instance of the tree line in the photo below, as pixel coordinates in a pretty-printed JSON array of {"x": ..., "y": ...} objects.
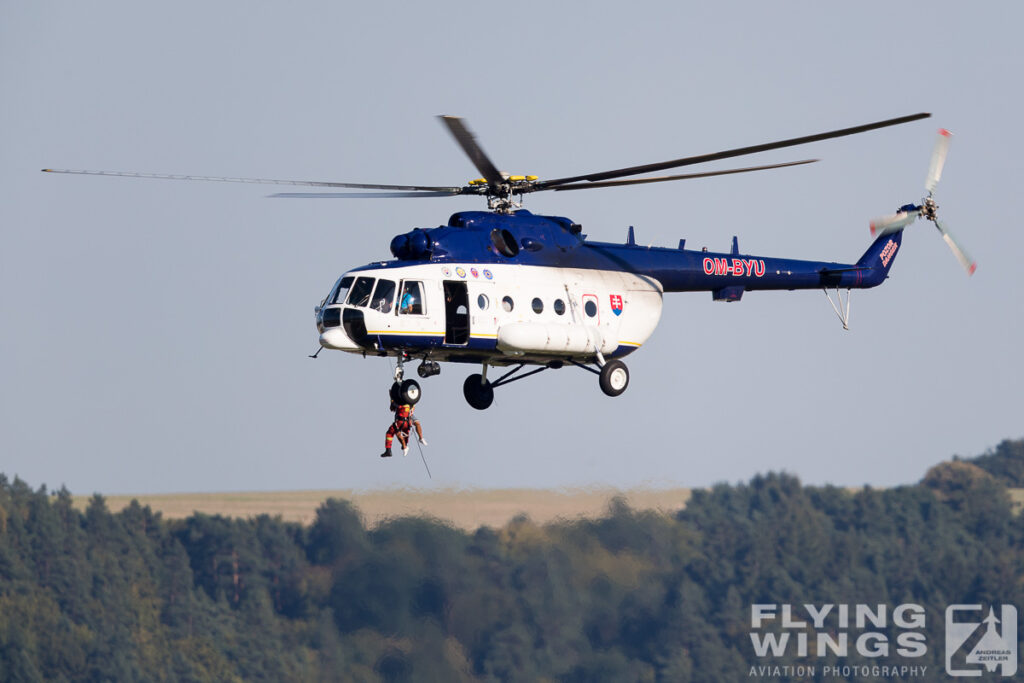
[{"x": 634, "y": 595}]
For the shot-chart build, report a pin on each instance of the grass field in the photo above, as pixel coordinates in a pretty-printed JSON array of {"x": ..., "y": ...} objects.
[
  {"x": 466, "y": 509},
  {"x": 1017, "y": 498}
]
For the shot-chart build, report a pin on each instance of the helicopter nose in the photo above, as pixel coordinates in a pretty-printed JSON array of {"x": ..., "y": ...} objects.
[{"x": 335, "y": 338}]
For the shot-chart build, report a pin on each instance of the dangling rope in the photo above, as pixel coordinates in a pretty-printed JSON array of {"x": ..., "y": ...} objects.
[{"x": 423, "y": 457}]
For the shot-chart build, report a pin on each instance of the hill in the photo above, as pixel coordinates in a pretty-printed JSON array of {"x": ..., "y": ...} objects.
[{"x": 629, "y": 595}]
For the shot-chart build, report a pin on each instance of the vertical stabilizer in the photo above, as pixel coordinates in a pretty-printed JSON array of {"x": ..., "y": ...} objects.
[{"x": 879, "y": 257}]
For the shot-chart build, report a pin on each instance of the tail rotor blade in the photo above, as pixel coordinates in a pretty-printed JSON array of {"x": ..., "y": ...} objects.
[
  {"x": 938, "y": 160},
  {"x": 962, "y": 256},
  {"x": 897, "y": 221}
]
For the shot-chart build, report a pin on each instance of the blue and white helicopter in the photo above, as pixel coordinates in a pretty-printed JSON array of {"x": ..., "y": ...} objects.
[{"x": 508, "y": 289}]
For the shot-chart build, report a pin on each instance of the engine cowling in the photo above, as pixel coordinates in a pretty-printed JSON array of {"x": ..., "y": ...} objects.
[{"x": 415, "y": 245}]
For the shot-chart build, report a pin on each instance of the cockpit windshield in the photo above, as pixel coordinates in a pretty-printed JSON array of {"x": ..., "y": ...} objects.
[
  {"x": 360, "y": 292},
  {"x": 337, "y": 295}
]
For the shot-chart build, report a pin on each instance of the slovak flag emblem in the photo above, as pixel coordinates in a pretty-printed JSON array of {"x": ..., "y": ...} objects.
[{"x": 616, "y": 304}]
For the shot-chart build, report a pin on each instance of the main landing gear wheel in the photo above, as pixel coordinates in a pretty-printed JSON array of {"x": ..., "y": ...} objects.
[
  {"x": 478, "y": 392},
  {"x": 614, "y": 377},
  {"x": 407, "y": 392}
]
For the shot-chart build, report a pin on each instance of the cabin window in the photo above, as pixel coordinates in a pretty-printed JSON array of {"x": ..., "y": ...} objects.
[
  {"x": 590, "y": 307},
  {"x": 411, "y": 302},
  {"x": 559, "y": 307},
  {"x": 359, "y": 295},
  {"x": 483, "y": 302},
  {"x": 383, "y": 296},
  {"x": 538, "y": 305},
  {"x": 507, "y": 304}
]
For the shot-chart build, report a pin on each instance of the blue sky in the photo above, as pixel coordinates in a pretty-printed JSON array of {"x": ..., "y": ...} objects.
[{"x": 155, "y": 333}]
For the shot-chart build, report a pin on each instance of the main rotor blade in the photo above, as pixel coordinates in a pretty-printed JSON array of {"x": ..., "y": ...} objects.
[
  {"x": 359, "y": 195},
  {"x": 473, "y": 150},
  {"x": 969, "y": 264},
  {"x": 685, "y": 176},
  {"x": 256, "y": 181},
  {"x": 938, "y": 160},
  {"x": 740, "y": 151}
]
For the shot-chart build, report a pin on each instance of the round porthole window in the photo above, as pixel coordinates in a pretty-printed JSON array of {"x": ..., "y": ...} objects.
[
  {"x": 559, "y": 306},
  {"x": 507, "y": 305},
  {"x": 590, "y": 307},
  {"x": 538, "y": 305},
  {"x": 483, "y": 302}
]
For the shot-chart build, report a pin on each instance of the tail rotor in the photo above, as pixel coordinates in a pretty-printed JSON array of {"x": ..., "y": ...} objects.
[
  {"x": 928, "y": 209},
  {"x": 965, "y": 260}
]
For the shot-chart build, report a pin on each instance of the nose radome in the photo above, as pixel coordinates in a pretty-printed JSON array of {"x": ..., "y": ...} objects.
[{"x": 335, "y": 338}]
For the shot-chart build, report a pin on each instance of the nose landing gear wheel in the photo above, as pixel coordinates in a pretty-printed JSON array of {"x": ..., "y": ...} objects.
[
  {"x": 478, "y": 394},
  {"x": 614, "y": 377},
  {"x": 407, "y": 392}
]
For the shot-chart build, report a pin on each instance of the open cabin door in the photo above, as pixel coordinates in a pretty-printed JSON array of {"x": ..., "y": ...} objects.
[{"x": 456, "y": 313}]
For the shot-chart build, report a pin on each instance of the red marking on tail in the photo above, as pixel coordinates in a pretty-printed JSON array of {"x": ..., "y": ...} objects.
[
  {"x": 944, "y": 132},
  {"x": 970, "y": 271}
]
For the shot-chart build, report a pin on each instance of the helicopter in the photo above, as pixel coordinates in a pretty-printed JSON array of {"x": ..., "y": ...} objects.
[{"x": 509, "y": 289}]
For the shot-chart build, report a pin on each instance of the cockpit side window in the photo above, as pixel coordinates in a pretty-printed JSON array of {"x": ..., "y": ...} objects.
[
  {"x": 340, "y": 290},
  {"x": 383, "y": 296},
  {"x": 359, "y": 295},
  {"x": 411, "y": 301}
]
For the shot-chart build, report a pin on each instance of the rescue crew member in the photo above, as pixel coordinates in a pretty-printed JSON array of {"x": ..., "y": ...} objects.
[{"x": 403, "y": 422}]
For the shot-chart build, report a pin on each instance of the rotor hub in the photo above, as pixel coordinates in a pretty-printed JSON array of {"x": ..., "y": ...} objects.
[{"x": 929, "y": 209}]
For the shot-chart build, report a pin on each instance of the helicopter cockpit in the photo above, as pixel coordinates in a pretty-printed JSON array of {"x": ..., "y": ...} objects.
[
  {"x": 375, "y": 294},
  {"x": 356, "y": 301}
]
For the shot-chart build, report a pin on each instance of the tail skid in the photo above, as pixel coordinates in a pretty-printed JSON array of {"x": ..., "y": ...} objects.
[{"x": 870, "y": 271}]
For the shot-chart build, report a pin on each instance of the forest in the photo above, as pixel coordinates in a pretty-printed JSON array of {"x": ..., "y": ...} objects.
[{"x": 631, "y": 596}]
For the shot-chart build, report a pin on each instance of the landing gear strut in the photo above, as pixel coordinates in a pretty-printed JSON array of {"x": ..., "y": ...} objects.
[
  {"x": 404, "y": 391},
  {"x": 479, "y": 391},
  {"x": 613, "y": 375}
]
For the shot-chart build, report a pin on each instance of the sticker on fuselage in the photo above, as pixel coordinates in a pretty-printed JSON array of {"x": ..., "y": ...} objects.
[
  {"x": 736, "y": 266},
  {"x": 616, "y": 302},
  {"x": 888, "y": 252},
  {"x": 446, "y": 271},
  {"x": 474, "y": 272},
  {"x": 460, "y": 271},
  {"x": 488, "y": 274}
]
